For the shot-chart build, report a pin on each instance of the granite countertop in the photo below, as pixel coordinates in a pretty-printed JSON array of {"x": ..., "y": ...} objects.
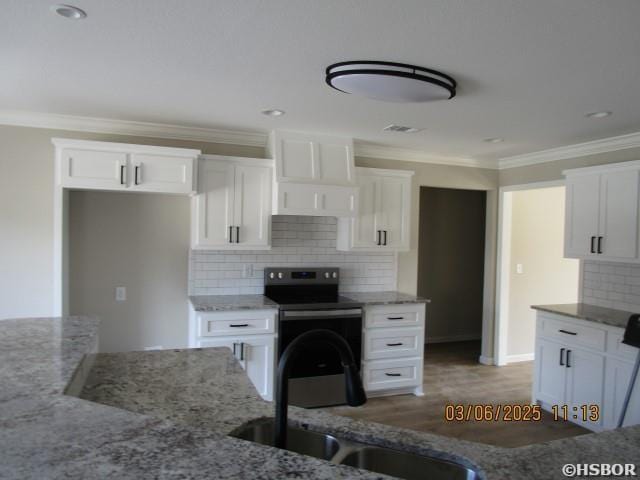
[
  {"x": 593, "y": 313},
  {"x": 215, "y": 303},
  {"x": 385, "y": 298},
  {"x": 166, "y": 414}
]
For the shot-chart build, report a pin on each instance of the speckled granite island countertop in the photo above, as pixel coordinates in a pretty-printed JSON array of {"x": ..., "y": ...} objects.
[
  {"x": 165, "y": 414},
  {"x": 592, "y": 313}
]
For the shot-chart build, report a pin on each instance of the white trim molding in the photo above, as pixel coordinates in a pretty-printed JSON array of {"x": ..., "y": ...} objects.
[
  {"x": 522, "y": 357},
  {"x": 603, "y": 145},
  {"x": 259, "y": 139},
  {"x": 213, "y": 135},
  {"x": 127, "y": 127},
  {"x": 372, "y": 150}
]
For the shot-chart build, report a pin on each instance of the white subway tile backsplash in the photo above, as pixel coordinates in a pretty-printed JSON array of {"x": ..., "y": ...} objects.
[
  {"x": 611, "y": 285},
  {"x": 297, "y": 241}
]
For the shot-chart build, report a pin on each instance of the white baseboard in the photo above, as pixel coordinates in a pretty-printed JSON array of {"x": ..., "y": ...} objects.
[
  {"x": 485, "y": 360},
  {"x": 522, "y": 357},
  {"x": 454, "y": 338}
]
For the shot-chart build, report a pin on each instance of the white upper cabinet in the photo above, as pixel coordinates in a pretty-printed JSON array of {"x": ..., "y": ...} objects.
[
  {"x": 602, "y": 212},
  {"x": 308, "y": 158},
  {"x": 162, "y": 173},
  {"x": 314, "y": 175},
  {"x": 232, "y": 210},
  {"x": 92, "y": 165},
  {"x": 384, "y": 212}
]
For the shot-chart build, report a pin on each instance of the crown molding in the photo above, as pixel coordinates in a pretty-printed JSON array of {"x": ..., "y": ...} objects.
[
  {"x": 603, "y": 145},
  {"x": 126, "y": 127},
  {"x": 370, "y": 150}
]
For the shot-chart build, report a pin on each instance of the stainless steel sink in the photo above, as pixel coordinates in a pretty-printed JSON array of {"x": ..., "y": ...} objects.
[
  {"x": 406, "y": 465},
  {"x": 388, "y": 461},
  {"x": 298, "y": 440}
]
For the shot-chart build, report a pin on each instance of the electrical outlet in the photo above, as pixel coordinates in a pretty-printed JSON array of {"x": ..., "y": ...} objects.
[
  {"x": 121, "y": 294},
  {"x": 247, "y": 270}
]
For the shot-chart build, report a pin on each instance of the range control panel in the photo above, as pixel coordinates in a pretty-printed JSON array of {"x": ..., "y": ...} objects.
[{"x": 301, "y": 276}]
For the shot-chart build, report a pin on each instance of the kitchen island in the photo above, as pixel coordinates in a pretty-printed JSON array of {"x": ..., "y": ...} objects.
[{"x": 167, "y": 414}]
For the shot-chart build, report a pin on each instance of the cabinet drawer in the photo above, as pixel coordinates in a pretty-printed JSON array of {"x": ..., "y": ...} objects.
[
  {"x": 571, "y": 333},
  {"x": 388, "y": 374},
  {"x": 619, "y": 349},
  {"x": 247, "y": 322},
  {"x": 393, "y": 343},
  {"x": 409, "y": 315}
]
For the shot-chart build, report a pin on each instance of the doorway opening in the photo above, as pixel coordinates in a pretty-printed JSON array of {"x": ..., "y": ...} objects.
[
  {"x": 451, "y": 260},
  {"x": 531, "y": 265}
]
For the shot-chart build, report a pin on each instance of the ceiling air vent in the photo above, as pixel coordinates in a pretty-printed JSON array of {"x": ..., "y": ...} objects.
[{"x": 401, "y": 129}]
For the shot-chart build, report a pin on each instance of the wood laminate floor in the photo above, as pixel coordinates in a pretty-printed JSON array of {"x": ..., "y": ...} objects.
[{"x": 452, "y": 375}]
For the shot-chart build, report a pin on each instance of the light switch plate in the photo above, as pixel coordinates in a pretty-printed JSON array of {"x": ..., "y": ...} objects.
[
  {"x": 519, "y": 268},
  {"x": 121, "y": 294}
]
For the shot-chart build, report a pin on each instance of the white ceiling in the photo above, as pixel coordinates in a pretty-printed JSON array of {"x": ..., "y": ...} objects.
[{"x": 528, "y": 70}]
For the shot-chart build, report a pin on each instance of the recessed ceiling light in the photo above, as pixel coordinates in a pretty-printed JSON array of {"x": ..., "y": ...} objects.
[
  {"x": 401, "y": 129},
  {"x": 494, "y": 140},
  {"x": 390, "y": 81},
  {"x": 273, "y": 112},
  {"x": 598, "y": 114},
  {"x": 69, "y": 11}
]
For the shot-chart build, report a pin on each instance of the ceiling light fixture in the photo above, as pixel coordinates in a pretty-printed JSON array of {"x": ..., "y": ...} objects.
[
  {"x": 494, "y": 140},
  {"x": 69, "y": 11},
  {"x": 390, "y": 81},
  {"x": 598, "y": 114},
  {"x": 273, "y": 112}
]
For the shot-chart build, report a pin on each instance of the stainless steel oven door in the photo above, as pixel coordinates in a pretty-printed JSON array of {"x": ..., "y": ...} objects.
[{"x": 317, "y": 377}]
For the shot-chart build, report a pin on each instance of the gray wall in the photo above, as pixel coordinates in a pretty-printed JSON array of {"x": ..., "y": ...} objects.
[
  {"x": 451, "y": 262},
  {"x": 140, "y": 242}
]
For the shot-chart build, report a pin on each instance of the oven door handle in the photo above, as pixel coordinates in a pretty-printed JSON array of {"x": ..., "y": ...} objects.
[{"x": 306, "y": 314}]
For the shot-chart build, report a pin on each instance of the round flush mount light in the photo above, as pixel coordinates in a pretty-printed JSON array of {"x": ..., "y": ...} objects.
[
  {"x": 598, "y": 114},
  {"x": 494, "y": 140},
  {"x": 69, "y": 11},
  {"x": 390, "y": 81},
  {"x": 274, "y": 112}
]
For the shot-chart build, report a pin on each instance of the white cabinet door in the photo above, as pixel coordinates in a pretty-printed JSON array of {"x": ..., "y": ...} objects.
[
  {"x": 256, "y": 354},
  {"x": 585, "y": 383},
  {"x": 550, "y": 375},
  {"x": 307, "y": 158},
  {"x": 394, "y": 208},
  {"x": 619, "y": 214},
  {"x": 617, "y": 377},
  {"x": 252, "y": 205},
  {"x": 335, "y": 161},
  {"x": 161, "y": 173},
  {"x": 366, "y": 228},
  {"x": 259, "y": 361},
  {"x": 212, "y": 208},
  {"x": 93, "y": 169},
  {"x": 581, "y": 217}
]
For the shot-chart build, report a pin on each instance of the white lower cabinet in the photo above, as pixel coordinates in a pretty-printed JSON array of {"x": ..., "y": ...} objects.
[
  {"x": 617, "y": 376},
  {"x": 393, "y": 349},
  {"x": 249, "y": 334},
  {"x": 256, "y": 354},
  {"x": 579, "y": 365}
]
